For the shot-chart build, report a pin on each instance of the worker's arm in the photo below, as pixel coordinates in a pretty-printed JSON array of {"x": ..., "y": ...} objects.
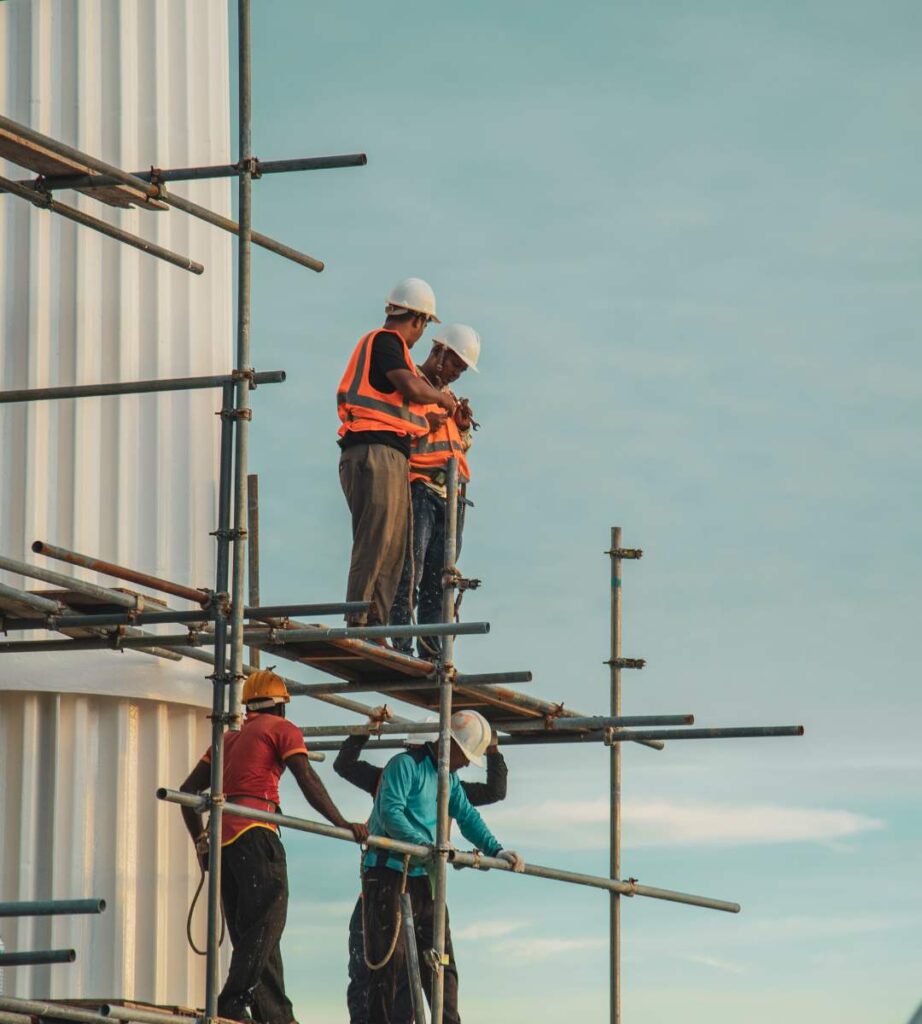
[
  {"x": 472, "y": 826},
  {"x": 494, "y": 789},
  {"x": 360, "y": 773},
  {"x": 198, "y": 781},
  {"x": 415, "y": 389},
  {"x": 397, "y": 783},
  {"x": 317, "y": 796}
]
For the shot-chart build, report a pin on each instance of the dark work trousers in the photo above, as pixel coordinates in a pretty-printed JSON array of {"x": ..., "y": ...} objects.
[
  {"x": 254, "y": 892},
  {"x": 359, "y": 974},
  {"x": 375, "y": 481},
  {"x": 427, "y": 564},
  {"x": 389, "y": 1000}
]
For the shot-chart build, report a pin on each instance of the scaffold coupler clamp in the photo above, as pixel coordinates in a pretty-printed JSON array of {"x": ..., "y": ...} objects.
[
  {"x": 625, "y": 552},
  {"x": 608, "y": 736},
  {"x": 435, "y": 962},
  {"x": 632, "y": 882},
  {"x": 626, "y": 662},
  {"x": 247, "y": 373},
  {"x": 250, "y": 164}
]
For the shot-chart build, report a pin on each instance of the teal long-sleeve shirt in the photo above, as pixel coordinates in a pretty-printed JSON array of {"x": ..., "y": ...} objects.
[{"x": 406, "y": 809}]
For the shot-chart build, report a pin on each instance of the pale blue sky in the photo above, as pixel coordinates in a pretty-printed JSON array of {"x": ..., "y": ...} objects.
[{"x": 690, "y": 237}]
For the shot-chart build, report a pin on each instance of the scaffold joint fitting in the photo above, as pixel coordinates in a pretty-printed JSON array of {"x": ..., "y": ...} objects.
[{"x": 625, "y": 662}]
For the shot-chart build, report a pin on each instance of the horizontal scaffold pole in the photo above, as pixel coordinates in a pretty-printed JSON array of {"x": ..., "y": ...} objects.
[
  {"x": 51, "y": 908},
  {"x": 410, "y": 728},
  {"x": 595, "y": 722},
  {"x": 126, "y": 618},
  {"x": 459, "y": 858},
  {"x": 524, "y": 739},
  {"x": 51, "y": 1011},
  {"x": 262, "y": 168},
  {"x": 151, "y": 190},
  {"x": 381, "y": 686},
  {"x": 34, "y": 958},
  {"x": 132, "y": 387},
  {"x": 252, "y": 637},
  {"x": 45, "y": 202}
]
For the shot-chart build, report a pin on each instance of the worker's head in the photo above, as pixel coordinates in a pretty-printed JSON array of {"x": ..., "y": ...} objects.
[
  {"x": 470, "y": 737},
  {"x": 409, "y": 309},
  {"x": 454, "y": 348},
  {"x": 265, "y": 692}
]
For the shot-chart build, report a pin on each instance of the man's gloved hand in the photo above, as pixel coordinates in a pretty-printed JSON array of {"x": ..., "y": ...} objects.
[
  {"x": 511, "y": 857},
  {"x": 381, "y": 713},
  {"x": 358, "y": 829},
  {"x": 201, "y": 851}
]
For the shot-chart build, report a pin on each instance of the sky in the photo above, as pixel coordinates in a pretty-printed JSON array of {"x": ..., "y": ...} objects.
[{"x": 689, "y": 235}]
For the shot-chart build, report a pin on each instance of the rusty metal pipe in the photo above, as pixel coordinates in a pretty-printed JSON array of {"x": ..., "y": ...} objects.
[
  {"x": 44, "y": 202},
  {"x": 120, "y": 572}
]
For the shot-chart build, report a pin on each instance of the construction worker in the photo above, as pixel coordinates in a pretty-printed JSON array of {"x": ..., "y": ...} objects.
[
  {"x": 383, "y": 404},
  {"x": 455, "y": 348},
  {"x": 367, "y": 776},
  {"x": 254, "y": 873},
  {"x": 405, "y": 809}
]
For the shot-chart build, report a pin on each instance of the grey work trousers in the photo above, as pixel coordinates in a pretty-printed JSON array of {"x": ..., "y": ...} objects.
[{"x": 376, "y": 482}]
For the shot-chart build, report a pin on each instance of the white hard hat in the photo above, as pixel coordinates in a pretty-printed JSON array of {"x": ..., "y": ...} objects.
[
  {"x": 463, "y": 341},
  {"x": 472, "y": 732},
  {"x": 412, "y": 294}
]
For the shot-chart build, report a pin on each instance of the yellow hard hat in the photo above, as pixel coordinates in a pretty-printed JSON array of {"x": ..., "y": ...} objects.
[{"x": 264, "y": 688}]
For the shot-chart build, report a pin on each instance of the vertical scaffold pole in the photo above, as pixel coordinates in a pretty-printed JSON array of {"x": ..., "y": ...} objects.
[
  {"x": 253, "y": 552},
  {"x": 219, "y": 699},
  {"x": 614, "y": 866},
  {"x": 445, "y": 675},
  {"x": 242, "y": 366}
]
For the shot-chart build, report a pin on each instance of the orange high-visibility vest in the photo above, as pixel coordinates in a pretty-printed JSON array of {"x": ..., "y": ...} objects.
[
  {"x": 432, "y": 452},
  {"x": 362, "y": 407}
]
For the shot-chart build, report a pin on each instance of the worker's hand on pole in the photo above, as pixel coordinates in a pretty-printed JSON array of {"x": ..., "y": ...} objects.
[
  {"x": 201, "y": 851},
  {"x": 380, "y": 713},
  {"x": 358, "y": 830},
  {"x": 511, "y": 857}
]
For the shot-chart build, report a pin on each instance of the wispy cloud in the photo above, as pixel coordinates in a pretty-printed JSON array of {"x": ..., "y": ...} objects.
[
  {"x": 583, "y": 824},
  {"x": 488, "y": 930},
  {"x": 716, "y": 963},
  {"x": 529, "y": 950}
]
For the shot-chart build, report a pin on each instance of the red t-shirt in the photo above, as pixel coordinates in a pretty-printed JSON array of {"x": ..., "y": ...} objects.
[{"x": 254, "y": 760}]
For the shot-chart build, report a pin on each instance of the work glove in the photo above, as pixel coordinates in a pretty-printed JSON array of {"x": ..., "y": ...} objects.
[
  {"x": 511, "y": 857},
  {"x": 381, "y": 713}
]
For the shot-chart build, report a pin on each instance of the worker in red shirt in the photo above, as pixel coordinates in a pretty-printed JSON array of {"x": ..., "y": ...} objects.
[{"x": 254, "y": 873}]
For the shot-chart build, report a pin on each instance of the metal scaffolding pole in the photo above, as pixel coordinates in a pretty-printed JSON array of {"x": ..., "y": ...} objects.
[
  {"x": 150, "y": 190},
  {"x": 54, "y": 182},
  {"x": 131, "y": 387},
  {"x": 460, "y": 858},
  {"x": 445, "y": 669},
  {"x": 45, "y": 202},
  {"x": 51, "y": 908},
  {"x": 253, "y": 556}
]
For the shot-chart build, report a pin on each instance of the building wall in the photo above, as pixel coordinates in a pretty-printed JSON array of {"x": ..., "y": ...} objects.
[{"x": 85, "y": 739}]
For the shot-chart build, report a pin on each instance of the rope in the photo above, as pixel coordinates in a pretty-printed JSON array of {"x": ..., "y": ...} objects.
[
  {"x": 397, "y": 923},
  {"x": 198, "y": 892}
]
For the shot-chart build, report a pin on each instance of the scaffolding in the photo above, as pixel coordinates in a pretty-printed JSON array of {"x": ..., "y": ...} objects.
[{"x": 229, "y": 615}]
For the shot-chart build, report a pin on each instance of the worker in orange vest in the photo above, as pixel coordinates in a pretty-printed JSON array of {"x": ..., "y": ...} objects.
[
  {"x": 454, "y": 349},
  {"x": 383, "y": 405}
]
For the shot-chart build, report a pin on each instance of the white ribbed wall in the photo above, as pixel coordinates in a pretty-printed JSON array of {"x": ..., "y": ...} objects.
[{"x": 131, "y": 479}]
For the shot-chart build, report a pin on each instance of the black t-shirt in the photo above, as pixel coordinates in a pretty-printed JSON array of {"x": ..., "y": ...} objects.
[{"x": 386, "y": 355}]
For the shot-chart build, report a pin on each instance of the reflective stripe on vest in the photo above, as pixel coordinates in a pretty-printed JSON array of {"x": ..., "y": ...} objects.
[
  {"x": 433, "y": 451},
  {"x": 357, "y": 401}
]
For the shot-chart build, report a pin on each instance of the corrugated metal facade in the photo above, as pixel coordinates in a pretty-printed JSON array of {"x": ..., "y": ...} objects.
[{"x": 130, "y": 479}]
